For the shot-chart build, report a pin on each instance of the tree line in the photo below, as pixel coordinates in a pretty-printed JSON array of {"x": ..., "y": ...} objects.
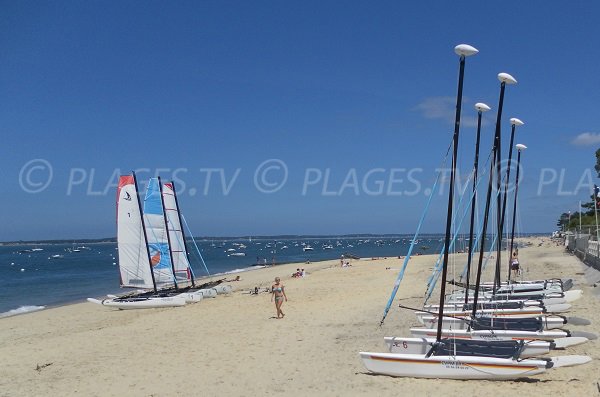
[{"x": 570, "y": 220}]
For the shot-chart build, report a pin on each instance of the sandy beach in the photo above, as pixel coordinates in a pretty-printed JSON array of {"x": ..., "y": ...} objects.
[{"x": 232, "y": 345}]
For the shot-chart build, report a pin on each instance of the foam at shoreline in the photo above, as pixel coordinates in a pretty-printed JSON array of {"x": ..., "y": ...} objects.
[{"x": 21, "y": 310}]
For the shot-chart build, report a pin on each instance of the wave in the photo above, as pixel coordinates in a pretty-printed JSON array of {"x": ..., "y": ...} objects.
[{"x": 21, "y": 310}]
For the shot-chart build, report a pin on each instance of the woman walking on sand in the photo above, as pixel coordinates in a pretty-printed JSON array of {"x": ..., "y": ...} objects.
[
  {"x": 278, "y": 293},
  {"x": 514, "y": 264}
]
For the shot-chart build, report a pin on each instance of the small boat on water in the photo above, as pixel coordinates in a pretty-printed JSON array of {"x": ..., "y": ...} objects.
[{"x": 308, "y": 248}]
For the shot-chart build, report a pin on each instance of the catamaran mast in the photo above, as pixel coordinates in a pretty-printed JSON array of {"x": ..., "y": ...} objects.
[
  {"x": 481, "y": 107},
  {"x": 484, "y": 227},
  {"x": 520, "y": 148},
  {"x": 498, "y": 189},
  {"x": 463, "y": 50},
  {"x": 187, "y": 254},
  {"x": 504, "y": 79},
  {"x": 144, "y": 229},
  {"x": 514, "y": 122},
  {"x": 164, "y": 213}
]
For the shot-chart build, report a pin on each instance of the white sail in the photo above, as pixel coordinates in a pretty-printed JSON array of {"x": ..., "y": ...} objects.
[
  {"x": 133, "y": 255},
  {"x": 181, "y": 263},
  {"x": 156, "y": 232}
]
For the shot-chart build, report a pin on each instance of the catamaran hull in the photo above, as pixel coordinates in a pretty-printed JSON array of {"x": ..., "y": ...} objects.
[
  {"x": 561, "y": 339},
  {"x": 568, "y": 296},
  {"x": 565, "y": 283},
  {"x": 423, "y": 346},
  {"x": 504, "y": 304},
  {"x": 549, "y": 322},
  {"x": 223, "y": 289},
  {"x": 526, "y": 302},
  {"x": 529, "y": 311},
  {"x": 450, "y": 367},
  {"x": 208, "y": 293},
  {"x": 191, "y": 297},
  {"x": 149, "y": 303}
]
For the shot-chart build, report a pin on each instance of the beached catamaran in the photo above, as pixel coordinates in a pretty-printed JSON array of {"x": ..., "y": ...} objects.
[
  {"x": 152, "y": 253},
  {"x": 452, "y": 357}
]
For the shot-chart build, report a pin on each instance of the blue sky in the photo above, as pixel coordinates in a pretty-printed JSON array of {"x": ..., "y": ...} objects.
[{"x": 97, "y": 88}]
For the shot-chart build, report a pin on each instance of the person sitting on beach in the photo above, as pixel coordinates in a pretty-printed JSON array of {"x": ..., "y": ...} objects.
[
  {"x": 297, "y": 273},
  {"x": 302, "y": 273},
  {"x": 278, "y": 294},
  {"x": 514, "y": 264}
]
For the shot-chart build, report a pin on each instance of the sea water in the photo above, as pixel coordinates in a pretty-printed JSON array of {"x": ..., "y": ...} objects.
[{"x": 39, "y": 276}]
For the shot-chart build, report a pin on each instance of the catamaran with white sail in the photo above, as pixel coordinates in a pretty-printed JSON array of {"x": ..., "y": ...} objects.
[{"x": 152, "y": 253}]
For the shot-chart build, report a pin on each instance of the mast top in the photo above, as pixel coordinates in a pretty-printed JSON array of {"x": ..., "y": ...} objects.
[
  {"x": 482, "y": 107},
  {"x": 517, "y": 122},
  {"x": 520, "y": 147},
  {"x": 465, "y": 50},
  {"x": 506, "y": 78}
]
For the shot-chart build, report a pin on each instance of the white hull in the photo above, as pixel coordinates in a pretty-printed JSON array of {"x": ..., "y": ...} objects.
[
  {"x": 423, "y": 345},
  {"x": 462, "y": 367},
  {"x": 191, "y": 297},
  {"x": 569, "y": 296},
  {"x": 149, "y": 303},
  {"x": 560, "y": 337},
  {"x": 208, "y": 293},
  {"x": 550, "y": 322},
  {"x": 450, "y": 367},
  {"x": 511, "y": 288},
  {"x": 525, "y": 282},
  {"x": 223, "y": 289},
  {"x": 527, "y": 302},
  {"x": 510, "y": 313}
]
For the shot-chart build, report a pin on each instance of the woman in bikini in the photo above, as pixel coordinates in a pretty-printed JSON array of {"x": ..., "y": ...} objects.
[
  {"x": 278, "y": 293},
  {"x": 514, "y": 264}
]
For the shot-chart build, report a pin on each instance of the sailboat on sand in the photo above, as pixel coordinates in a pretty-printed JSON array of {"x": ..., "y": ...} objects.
[
  {"x": 450, "y": 357},
  {"x": 152, "y": 253}
]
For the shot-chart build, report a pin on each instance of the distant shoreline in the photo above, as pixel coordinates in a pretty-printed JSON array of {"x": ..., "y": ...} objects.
[{"x": 238, "y": 238}]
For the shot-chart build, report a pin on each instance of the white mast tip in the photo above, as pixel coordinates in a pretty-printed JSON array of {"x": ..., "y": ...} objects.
[
  {"x": 517, "y": 122},
  {"x": 482, "y": 107},
  {"x": 506, "y": 78},
  {"x": 520, "y": 146},
  {"x": 465, "y": 49}
]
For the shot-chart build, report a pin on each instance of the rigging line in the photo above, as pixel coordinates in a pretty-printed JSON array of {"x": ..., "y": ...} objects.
[
  {"x": 469, "y": 321},
  {"x": 195, "y": 245},
  {"x": 181, "y": 244},
  {"x": 434, "y": 277},
  {"x": 494, "y": 201},
  {"x": 476, "y": 244},
  {"x": 160, "y": 272},
  {"x": 438, "y": 265},
  {"x": 412, "y": 244},
  {"x": 432, "y": 281}
]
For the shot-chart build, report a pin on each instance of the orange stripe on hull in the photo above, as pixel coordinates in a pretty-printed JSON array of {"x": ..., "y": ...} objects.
[{"x": 461, "y": 363}]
